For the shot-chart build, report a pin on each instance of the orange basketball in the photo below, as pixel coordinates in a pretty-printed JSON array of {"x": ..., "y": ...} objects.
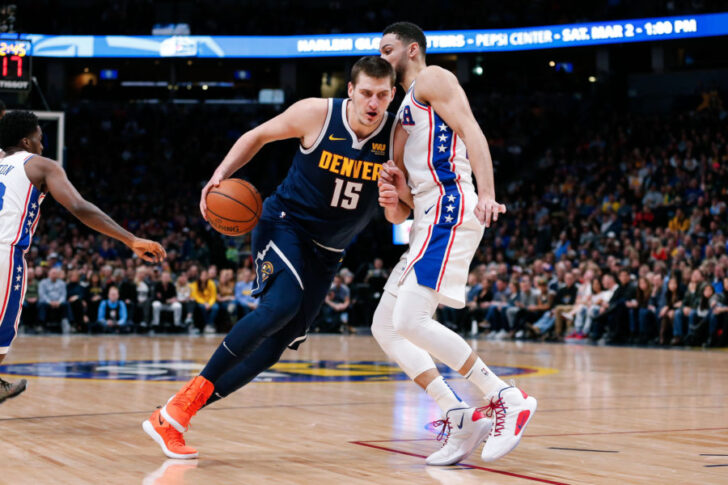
[{"x": 233, "y": 207}]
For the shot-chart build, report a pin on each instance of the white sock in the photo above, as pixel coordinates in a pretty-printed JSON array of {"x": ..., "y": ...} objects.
[
  {"x": 442, "y": 393},
  {"x": 484, "y": 379}
]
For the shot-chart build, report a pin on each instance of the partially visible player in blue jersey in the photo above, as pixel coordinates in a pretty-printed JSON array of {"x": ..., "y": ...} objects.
[{"x": 328, "y": 196}]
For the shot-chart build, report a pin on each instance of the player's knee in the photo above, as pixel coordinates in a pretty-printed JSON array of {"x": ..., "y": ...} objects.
[
  {"x": 405, "y": 320},
  {"x": 281, "y": 309},
  {"x": 382, "y": 323},
  {"x": 156, "y": 305}
]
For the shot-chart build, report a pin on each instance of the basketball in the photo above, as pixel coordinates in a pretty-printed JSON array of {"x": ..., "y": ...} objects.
[{"x": 233, "y": 207}]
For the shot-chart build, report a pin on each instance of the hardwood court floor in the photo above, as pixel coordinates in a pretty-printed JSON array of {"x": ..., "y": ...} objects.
[{"x": 606, "y": 415}]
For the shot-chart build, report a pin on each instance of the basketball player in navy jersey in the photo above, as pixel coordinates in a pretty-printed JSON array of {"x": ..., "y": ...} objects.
[
  {"x": 328, "y": 196},
  {"x": 435, "y": 125},
  {"x": 25, "y": 179}
]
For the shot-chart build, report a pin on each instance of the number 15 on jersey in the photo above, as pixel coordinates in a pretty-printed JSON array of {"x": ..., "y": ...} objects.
[{"x": 348, "y": 198}]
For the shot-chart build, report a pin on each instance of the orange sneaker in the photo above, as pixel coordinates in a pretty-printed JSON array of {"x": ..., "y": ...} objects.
[
  {"x": 172, "y": 442},
  {"x": 183, "y": 405}
]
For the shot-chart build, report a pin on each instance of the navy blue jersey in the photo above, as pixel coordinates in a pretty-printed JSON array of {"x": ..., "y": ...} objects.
[{"x": 330, "y": 192}]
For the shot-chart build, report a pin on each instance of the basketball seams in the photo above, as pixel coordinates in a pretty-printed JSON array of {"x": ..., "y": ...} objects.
[
  {"x": 255, "y": 213},
  {"x": 242, "y": 221},
  {"x": 253, "y": 192},
  {"x": 231, "y": 200}
]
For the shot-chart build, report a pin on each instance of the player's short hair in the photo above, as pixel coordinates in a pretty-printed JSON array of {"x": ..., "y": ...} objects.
[
  {"x": 373, "y": 66},
  {"x": 408, "y": 32},
  {"x": 15, "y": 126}
]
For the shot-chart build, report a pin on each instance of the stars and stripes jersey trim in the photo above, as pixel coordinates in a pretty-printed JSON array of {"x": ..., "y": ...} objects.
[
  {"x": 439, "y": 175},
  {"x": 12, "y": 291},
  {"x": 20, "y": 202},
  {"x": 433, "y": 153}
]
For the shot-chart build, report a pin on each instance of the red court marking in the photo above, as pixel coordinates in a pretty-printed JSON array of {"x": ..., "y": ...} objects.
[
  {"x": 565, "y": 434},
  {"x": 464, "y": 465}
]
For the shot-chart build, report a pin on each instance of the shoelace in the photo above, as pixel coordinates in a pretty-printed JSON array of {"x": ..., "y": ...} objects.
[
  {"x": 184, "y": 402},
  {"x": 5, "y": 384},
  {"x": 445, "y": 431},
  {"x": 495, "y": 409}
]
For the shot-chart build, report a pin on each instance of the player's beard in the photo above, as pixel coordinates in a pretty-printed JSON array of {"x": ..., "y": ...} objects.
[{"x": 399, "y": 69}]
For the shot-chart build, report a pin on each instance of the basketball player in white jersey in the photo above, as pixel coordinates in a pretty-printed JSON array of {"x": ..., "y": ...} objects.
[
  {"x": 25, "y": 179},
  {"x": 436, "y": 125}
]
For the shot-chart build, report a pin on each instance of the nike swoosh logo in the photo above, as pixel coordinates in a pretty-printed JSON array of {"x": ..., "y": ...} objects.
[
  {"x": 333, "y": 138},
  {"x": 522, "y": 420},
  {"x": 460, "y": 426},
  {"x": 428, "y": 210}
]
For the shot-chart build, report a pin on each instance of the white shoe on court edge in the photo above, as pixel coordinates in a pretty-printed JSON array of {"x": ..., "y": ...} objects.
[
  {"x": 464, "y": 429},
  {"x": 511, "y": 411}
]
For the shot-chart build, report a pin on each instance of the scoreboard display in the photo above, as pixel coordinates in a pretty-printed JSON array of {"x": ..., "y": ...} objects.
[{"x": 15, "y": 58}]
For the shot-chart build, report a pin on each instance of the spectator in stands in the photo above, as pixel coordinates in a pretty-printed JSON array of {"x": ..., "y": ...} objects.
[
  {"x": 226, "y": 295},
  {"x": 29, "y": 316},
  {"x": 144, "y": 297},
  {"x": 94, "y": 295},
  {"x": 76, "y": 294},
  {"x": 204, "y": 294},
  {"x": 615, "y": 316},
  {"x": 718, "y": 321},
  {"x": 126, "y": 284},
  {"x": 679, "y": 223},
  {"x": 184, "y": 297},
  {"x": 641, "y": 317},
  {"x": 526, "y": 298},
  {"x": 246, "y": 302},
  {"x": 566, "y": 313},
  {"x": 533, "y": 312},
  {"x": 669, "y": 308},
  {"x": 112, "y": 315},
  {"x": 335, "y": 307},
  {"x": 562, "y": 301},
  {"x": 53, "y": 306},
  {"x": 503, "y": 297},
  {"x": 165, "y": 298},
  {"x": 688, "y": 307}
]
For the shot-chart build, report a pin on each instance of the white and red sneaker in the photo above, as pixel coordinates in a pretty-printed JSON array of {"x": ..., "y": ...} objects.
[
  {"x": 511, "y": 411},
  {"x": 463, "y": 430}
]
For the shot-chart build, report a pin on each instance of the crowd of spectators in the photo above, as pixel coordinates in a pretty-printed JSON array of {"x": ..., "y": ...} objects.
[
  {"x": 615, "y": 228},
  {"x": 618, "y": 234}
]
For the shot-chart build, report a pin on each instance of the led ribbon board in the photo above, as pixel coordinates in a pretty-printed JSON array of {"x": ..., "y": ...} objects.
[{"x": 456, "y": 41}]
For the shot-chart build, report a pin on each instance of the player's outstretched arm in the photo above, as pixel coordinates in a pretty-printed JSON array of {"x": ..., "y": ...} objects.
[
  {"x": 303, "y": 120},
  {"x": 441, "y": 89},
  {"x": 48, "y": 174}
]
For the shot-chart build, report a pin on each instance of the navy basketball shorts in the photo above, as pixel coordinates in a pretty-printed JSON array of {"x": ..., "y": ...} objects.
[
  {"x": 12, "y": 291},
  {"x": 277, "y": 247}
]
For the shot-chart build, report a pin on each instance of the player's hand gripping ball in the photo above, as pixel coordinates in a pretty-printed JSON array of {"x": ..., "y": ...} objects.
[{"x": 233, "y": 207}]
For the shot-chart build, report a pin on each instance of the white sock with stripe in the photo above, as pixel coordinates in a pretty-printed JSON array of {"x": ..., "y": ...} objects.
[
  {"x": 484, "y": 379},
  {"x": 442, "y": 393}
]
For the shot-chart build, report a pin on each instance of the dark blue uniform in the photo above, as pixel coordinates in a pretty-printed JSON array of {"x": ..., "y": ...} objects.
[{"x": 329, "y": 195}]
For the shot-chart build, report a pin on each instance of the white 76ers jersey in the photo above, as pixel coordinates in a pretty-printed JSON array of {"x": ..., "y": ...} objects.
[
  {"x": 435, "y": 157},
  {"x": 445, "y": 233},
  {"x": 19, "y": 202}
]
